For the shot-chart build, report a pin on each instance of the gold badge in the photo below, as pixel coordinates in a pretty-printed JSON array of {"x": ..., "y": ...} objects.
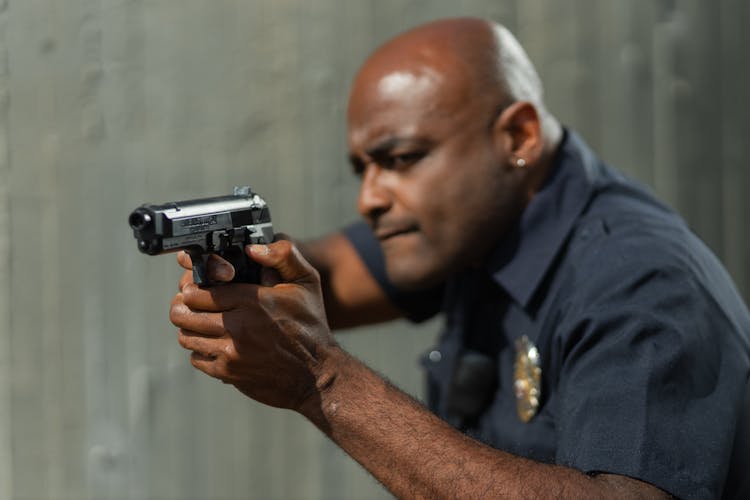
[{"x": 527, "y": 379}]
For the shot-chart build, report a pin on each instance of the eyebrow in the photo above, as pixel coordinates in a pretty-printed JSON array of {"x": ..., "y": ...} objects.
[
  {"x": 388, "y": 144},
  {"x": 392, "y": 142}
]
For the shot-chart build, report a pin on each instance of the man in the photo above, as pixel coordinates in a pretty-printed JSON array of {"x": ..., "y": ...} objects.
[{"x": 593, "y": 346}]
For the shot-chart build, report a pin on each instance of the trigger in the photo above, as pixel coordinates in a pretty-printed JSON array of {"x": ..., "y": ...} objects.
[{"x": 200, "y": 267}]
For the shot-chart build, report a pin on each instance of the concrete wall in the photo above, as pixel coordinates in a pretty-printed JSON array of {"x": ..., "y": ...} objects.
[{"x": 106, "y": 104}]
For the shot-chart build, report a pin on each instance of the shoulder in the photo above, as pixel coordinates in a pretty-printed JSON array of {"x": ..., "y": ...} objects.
[
  {"x": 625, "y": 234},
  {"x": 632, "y": 264}
]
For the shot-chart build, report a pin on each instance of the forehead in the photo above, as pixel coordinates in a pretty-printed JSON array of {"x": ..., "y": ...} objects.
[
  {"x": 404, "y": 102},
  {"x": 434, "y": 73},
  {"x": 402, "y": 84}
]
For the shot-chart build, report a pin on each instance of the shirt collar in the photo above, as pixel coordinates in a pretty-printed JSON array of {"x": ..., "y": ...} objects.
[{"x": 523, "y": 257}]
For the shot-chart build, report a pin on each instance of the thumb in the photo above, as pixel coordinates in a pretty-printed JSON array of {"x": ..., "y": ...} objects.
[{"x": 286, "y": 259}]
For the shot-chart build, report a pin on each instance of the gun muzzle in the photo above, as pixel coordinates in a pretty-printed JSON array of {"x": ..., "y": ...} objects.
[
  {"x": 143, "y": 222},
  {"x": 140, "y": 219}
]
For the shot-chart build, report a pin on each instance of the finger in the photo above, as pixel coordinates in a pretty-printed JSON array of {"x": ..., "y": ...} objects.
[
  {"x": 219, "y": 298},
  {"x": 269, "y": 276},
  {"x": 207, "y": 365},
  {"x": 218, "y": 269},
  {"x": 205, "y": 323},
  {"x": 183, "y": 259},
  {"x": 206, "y": 347},
  {"x": 185, "y": 279},
  {"x": 283, "y": 256}
]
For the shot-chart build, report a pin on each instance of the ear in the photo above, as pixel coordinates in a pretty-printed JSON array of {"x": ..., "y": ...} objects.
[{"x": 517, "y": 134}]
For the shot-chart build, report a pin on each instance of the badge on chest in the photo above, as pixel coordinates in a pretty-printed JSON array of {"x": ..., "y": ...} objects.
[{"x": 527, "y": 379}]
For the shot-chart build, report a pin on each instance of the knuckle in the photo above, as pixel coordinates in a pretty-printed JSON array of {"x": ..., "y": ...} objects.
[
  {"x": 216, "y": 370},
  {"x": 314, "y": 274},
  {"x": 176, "y": 309},
  {"x": 284, "y": 248},
  {"x": 228, "y": 350},
  {"x": 187, "y": 277},
  {"x": 188, "y": 294}
]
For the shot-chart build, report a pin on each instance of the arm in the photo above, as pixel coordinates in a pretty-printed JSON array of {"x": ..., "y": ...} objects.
[
  {"x": 248, "y": 335},
  {"x": 416, "y": 455}
]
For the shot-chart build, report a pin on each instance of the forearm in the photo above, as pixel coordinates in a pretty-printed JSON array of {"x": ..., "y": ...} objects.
[
  {"x": 416, "y": 455},
  {"x": 352, "y": 296}
]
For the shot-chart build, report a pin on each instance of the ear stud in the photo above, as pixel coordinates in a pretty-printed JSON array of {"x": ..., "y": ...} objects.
[{"x": 520, "y": 162}]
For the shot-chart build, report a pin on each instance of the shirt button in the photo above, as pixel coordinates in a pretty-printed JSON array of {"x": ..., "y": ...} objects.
[{"x": 435, "y": 356}]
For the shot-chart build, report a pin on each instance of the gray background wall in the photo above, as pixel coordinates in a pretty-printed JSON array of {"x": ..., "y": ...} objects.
[{"x": 106, "y": 104}]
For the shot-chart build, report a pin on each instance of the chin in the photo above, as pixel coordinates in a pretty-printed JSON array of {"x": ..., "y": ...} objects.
[
  {"x": 413, "y": 264},
  {"x": 413, "y": 275}
]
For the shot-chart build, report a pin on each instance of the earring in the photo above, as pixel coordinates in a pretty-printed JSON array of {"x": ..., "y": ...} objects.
[{"x": 520, "y": 162}]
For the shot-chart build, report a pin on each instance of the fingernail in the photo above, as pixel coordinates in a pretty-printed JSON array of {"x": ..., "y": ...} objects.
[
  {"x": 223, "y": 272},
  {"x": 260, "y": 249}
]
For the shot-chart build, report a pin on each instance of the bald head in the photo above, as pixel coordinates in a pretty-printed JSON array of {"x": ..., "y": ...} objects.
[
  {"x": 473, "y": 58},
  {"x": 447, "y": 132}
]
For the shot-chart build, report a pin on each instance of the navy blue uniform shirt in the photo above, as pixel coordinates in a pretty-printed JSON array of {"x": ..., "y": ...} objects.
[{"x": 644, "y": 342}]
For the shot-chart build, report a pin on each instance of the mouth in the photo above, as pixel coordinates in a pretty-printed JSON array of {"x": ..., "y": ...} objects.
[{"x": 387, "y": 233}]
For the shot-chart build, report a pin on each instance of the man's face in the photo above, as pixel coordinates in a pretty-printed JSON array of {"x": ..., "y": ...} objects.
[{"x": 436, "y": 187}]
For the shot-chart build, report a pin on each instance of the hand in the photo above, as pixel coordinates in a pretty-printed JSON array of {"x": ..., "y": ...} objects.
[{"x": 269, "y": 340}]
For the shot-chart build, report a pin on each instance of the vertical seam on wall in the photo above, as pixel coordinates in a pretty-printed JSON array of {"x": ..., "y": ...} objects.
[{"x": 6, "y": 468}]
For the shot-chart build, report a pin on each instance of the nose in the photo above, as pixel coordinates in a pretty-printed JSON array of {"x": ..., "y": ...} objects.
[{"x": 374, "y": 198}]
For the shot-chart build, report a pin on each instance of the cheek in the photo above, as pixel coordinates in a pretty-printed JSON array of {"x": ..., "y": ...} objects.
[
  {"x": 455, "y": 195},
  {"x": 469, "y": 213},
  {"x": 442, "y": 216},
  {"x": 453, "y": 198}
]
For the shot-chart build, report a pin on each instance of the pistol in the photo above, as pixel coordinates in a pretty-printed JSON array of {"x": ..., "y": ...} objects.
[{"x": 222, "y": 225}]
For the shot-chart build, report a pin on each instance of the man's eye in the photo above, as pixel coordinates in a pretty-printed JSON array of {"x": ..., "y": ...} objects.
[
  {"x": 358, "y": 166},
  {"x": 400, "y": 161}
]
